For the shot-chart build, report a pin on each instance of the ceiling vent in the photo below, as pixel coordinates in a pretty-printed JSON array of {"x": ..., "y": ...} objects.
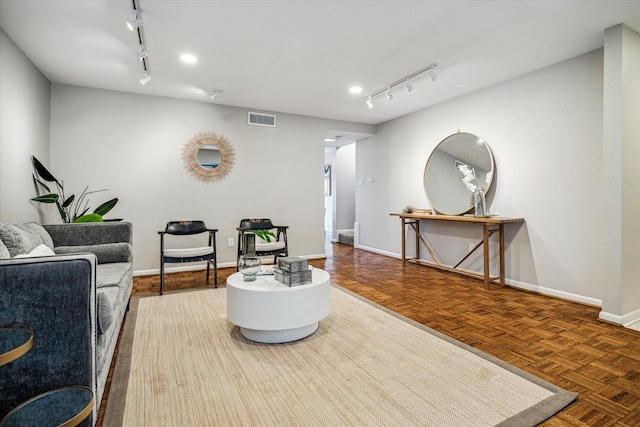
[{"x": 259, "y": 119}]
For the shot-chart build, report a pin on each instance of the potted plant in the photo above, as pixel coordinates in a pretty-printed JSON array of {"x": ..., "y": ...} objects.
[{"x": 71, "y": 210}]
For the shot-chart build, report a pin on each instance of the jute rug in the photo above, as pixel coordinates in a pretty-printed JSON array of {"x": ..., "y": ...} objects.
[{"x": 182, "y": 363}]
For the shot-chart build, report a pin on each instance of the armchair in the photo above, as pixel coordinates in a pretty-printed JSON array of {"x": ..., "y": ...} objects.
[
  {"x": 203, "y": 253},
  {"x": 277, "y": 247}
]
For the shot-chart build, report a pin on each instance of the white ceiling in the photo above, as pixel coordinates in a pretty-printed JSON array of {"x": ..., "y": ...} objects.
[{"x": 301, "y": 57}]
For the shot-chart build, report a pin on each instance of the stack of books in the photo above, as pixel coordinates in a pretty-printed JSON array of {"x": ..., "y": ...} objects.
[{"x": 292, "y": 271}]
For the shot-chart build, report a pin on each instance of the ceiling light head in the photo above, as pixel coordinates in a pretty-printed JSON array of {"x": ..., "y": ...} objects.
[
  {"x": 369, "y": 103},
  {"x": 146, "y": 79},
  {"x": 389, "y": 94},
  {"x": 135, "y": 23},
  {"x": 214, "y": 94},
  {"x": 432, "y": 74},
  {"x": 407, "y": 84},
  {"x": 142, "y": 53},
  {"x": 355, "y": 89}
]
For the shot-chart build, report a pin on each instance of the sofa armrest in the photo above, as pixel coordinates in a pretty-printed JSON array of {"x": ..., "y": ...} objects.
[
  {"x": 55, "y": 297},
  {"x": 90, "y": 233}
]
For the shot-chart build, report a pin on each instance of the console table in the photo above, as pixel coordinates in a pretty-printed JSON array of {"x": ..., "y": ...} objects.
[{"x": 490, "y": 225}]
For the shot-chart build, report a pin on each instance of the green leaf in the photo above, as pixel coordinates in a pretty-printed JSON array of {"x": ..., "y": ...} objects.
[
  {"x": 41, "y": 184},
  {"x": 47, "y": 198},
  {"x": 106, "y": 207},
  {"x": 92, "y": 217},
  {"x": 68, "y": 202},
  {"x": 264, "y": 234},
  {"x": 42, "y": 171}
]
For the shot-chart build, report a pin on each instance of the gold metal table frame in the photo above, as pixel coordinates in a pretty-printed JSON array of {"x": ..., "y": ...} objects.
[{"x": 490, "y": 226}]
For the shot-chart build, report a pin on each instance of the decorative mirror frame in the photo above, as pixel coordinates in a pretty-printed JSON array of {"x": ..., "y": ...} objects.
[
  {"x": 456, "y": 176},
  {"x": 190, "y": 156}
]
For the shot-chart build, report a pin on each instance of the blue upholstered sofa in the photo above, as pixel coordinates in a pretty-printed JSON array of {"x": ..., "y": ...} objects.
[{"x": 74, "y": 300}]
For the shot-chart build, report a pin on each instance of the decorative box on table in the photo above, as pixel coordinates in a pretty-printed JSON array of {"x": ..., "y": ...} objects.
[{"x": 292, "y": 271}]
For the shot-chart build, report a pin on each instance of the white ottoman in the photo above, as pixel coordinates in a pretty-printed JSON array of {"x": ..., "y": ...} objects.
[{"x": 268, "y": 311}]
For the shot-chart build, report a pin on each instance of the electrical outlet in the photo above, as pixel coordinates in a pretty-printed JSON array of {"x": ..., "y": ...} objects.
[{"x": 230, "y": 242}]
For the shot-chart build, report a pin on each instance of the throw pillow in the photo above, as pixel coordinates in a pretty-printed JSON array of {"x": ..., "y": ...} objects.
[
  {"x": 4, "y": 252},
  {"x": 40, "y": 250},
  {"x": 22, "y": 238}
]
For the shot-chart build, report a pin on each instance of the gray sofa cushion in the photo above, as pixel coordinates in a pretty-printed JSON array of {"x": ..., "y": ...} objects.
[
  {"x": 111, "y": 274},
  {"x": 22, "y": 238},
  {"x": 106, "y": 253},
  {"x": 105, "y": 312}
]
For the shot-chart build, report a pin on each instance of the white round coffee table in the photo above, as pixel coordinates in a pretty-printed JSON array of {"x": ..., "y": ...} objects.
[{"x": 268, "y": 311}]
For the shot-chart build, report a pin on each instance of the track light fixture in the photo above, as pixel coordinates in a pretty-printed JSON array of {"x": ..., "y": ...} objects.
[
  {"x": 135, "y": 23},
  {"x": 142, "y": 53},
  {"x": 405, "y": 80},
  {"x": 146, "y": 79},
  {"x": 369, "y": 103},
  {"x": 214, "y": 94}
]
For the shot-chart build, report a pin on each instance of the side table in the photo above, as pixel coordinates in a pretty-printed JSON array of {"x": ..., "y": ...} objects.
[
  {"x": 268, "y": 311},
  {"x": 67, "y": 406},
  {"x": 14, "y": 343}
]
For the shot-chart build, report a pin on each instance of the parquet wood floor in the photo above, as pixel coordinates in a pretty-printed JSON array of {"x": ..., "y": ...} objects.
[{"x": 559, "y": 341}]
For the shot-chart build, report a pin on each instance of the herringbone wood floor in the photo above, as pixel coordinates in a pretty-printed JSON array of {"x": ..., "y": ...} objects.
[{"x": 559, "y": 341}]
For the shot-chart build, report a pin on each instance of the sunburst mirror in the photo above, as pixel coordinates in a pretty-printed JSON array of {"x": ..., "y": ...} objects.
[{"x": 208, "y": 157}]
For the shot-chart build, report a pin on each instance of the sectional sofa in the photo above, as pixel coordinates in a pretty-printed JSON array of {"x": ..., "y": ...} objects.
[{"x": 70, "y": 284}]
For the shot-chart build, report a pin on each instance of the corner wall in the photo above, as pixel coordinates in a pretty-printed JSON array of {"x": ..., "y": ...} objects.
[
  {"x": 621, "y": 163},
  {"x": 25, "y": 99}
]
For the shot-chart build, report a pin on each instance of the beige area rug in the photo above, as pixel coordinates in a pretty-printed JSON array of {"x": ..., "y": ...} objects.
[{"x": 182, "y": 363}]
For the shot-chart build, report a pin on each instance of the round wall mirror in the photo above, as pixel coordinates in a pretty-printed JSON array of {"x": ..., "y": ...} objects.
[
  {"x": 208, "y": 157},
  {"x": 445, "y": 190}
]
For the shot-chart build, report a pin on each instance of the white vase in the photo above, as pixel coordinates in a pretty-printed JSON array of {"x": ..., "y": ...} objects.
[{"x": 479, "y": 204}]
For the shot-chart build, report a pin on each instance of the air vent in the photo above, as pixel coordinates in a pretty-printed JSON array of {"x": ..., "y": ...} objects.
[{"x": 259, "y": 119}]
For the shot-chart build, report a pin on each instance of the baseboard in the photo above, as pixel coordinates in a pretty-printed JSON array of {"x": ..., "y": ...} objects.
[
  {"x": 380, "y": 252},
  {"x": 555, "y": 293},
  {"x": 517, "y": 284},
  {"x": 626, "y": 320}
]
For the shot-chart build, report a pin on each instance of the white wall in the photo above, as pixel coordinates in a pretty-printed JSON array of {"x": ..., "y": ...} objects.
[
  {"x": 545, "y": 131},
  {"x": 132, "y": 145},
  {"x": 25, "y": 98},
  {"x": 345, "y": 171}
]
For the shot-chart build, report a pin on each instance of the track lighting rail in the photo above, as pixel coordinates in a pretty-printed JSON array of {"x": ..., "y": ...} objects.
[{"x": 405, "y": 80}]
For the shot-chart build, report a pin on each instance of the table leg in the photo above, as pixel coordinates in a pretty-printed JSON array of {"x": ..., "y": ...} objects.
[
  {"x": 502, "y": 263},
  {"x": 404, "y": 238},
  {"x": 417, "y": 230},
  {"x": 485, "y": 244}
]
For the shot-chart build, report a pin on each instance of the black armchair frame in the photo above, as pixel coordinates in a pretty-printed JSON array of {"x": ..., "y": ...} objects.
[
  {"x": 183, "y": 228},
  {"x": 246, "y": 225}
]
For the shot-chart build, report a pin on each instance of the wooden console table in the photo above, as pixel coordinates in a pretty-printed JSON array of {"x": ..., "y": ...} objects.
[{"x": 490, "y": 226}]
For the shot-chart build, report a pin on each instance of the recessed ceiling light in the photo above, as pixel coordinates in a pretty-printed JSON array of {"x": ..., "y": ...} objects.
[
  {"x": 188, "y": 58},
  {"x": 329, "y": 140},
  {"x": 355, "y": 89}
]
